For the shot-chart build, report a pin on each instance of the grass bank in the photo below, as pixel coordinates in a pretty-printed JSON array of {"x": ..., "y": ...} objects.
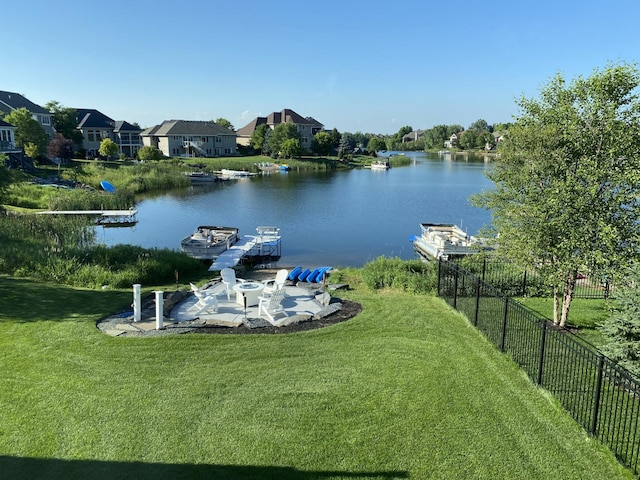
[{"x": 408, "y": 389}]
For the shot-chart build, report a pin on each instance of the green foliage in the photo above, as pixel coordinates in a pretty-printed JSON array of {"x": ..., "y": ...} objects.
[
  {"x": 376, "y": 144},
  {"x": 622, "y": 328},
  {"x": 412, "y": 276},
  {"x": 567, "y": 180},
  {"x": 223, "y": 122},
  {"x": 290, "y": 148},
  {"x": 138, "y": 178},
  {"x": 62, "y": 250},
  {"x": 259, "y": 137},
  {"x": 108, "y": 148},
  {"x": 149, "y": 153},
  {"x": 282, "y": 132},
  {"x": 64, "y": 121},
  {"x": 28, "y": 131},
  {"x": 322, "y": 143}
]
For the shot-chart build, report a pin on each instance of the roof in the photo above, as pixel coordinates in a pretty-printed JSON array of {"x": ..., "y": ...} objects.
[
  {"x": 249, "y": 128},
  {"x": 5, "y": 124},
  {"x": 122, "y": 126},
  {"x": 187, "y": 127},
  {"x": 90, "y": 118},
  {"x": 15, "y": 101},
  {"x": 275, "y": 118}
]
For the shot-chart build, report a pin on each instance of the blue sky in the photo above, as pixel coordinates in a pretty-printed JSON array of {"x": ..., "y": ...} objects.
[{"x": 355, "y": 66}]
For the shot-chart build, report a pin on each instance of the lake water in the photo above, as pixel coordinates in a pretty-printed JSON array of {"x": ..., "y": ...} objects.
[{"x": 339, "y": 218}]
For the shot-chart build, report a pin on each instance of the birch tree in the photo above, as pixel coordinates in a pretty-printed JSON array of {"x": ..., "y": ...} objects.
[{"x": 567, "y": 182}]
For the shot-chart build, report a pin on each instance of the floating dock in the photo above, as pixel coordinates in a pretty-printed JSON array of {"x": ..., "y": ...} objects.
[
  {"x": 266, "y": 246},
  {"x": 106, "y": 218}
]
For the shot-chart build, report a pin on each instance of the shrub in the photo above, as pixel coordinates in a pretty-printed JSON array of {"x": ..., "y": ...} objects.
[{"x": 412, "y": 276}]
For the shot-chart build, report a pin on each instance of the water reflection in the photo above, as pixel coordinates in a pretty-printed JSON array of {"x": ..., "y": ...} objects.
[{"x": 326, "y": 218}]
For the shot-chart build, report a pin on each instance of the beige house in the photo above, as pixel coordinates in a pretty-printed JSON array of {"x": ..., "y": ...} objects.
[
  {"x": 307, "y": 127},
  {"x": 189, "y": 138},
  {"x": 95, "y": 126},
  {"x": 10, "y": 101}
]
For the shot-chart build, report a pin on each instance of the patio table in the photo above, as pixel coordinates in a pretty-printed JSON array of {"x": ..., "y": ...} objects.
[{"x": 250, "y": 290}]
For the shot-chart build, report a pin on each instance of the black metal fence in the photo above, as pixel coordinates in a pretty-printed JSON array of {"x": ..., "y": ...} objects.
[
  {"x": 602, "y": 397},
  {"x": 517, "y": 282}
]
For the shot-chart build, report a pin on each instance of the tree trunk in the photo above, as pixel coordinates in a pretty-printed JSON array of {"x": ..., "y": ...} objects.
[
  {"x": 556, "y": 304},
  {"x": 567, "y": 296}
]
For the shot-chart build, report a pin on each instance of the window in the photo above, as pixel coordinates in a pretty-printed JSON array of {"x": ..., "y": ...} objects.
[
  {"x": 218, "y": 140},
  {"x": 46, "y": 120}
]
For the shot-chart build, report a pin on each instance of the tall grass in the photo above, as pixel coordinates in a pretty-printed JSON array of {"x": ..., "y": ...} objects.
[
  {"x": 63, "y": 250},
  {"x": 137, "y": 178},
  {"x": 414, "y": 276}
]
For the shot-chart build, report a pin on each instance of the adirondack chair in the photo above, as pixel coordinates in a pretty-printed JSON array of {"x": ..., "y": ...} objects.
[
  {"x": 206, "y": 301},
  {"x": 271, "y": 307},
  {"x": 229, "y": 279},
  {"x": 270, "y": 286}
]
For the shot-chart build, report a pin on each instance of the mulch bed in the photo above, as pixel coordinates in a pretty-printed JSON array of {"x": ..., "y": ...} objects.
[{"x": 348, "y": 310}]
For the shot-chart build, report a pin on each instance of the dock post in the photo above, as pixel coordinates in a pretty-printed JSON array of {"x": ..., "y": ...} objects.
[
  {"x": 159, "y": 309},
  {"x": 136, "y": 303}
]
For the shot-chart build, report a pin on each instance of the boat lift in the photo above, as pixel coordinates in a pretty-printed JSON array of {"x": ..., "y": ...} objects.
[{"x": 265, "y": 246}]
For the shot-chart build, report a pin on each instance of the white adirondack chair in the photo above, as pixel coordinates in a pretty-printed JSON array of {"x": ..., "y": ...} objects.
[
  {"x": 270, "y": 286},
  {"x": 207, "y": 302},
  {"x": 271, "y": 307},
  {"x": 229, "y": 279}
]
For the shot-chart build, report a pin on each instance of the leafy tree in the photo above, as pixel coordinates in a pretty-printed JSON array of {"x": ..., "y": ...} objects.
[
  {"x": 60, "y": 147},
  {"x": 257, "y": 140},
  {"x": 346, "y": 145},
  {"x": 32, "y": 150},
  {"x": 148, "y": 153},
  {"x": 468, "y": 139},
  {"x": 567, "y": 183},
  {"x": 223, "y": 122},
  {"x": 622, "y": 328},
  {"x": 480, "y": 126},
  {"x": 28, "y": 130},
  {"x": 335, "y": 137},
  {"x": 108, "y": 148},
  {"x": 376, "y": 144},
  {"x": 64, "y": 121},
  {"x": 282, "y": 132},
  {"x": 291, "y": 148},
  {"x": 322, "y": 143}
]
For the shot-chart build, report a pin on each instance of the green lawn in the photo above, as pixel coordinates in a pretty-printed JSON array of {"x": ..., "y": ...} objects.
[
  {"x": 408, "y": 389},
  {"x": 585, "y": 315}
]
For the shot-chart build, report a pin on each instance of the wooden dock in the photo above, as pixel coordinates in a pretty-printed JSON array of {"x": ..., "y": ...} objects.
[
  {"x": 111, "y": 218},
  {"x": 266, "y": 245}
]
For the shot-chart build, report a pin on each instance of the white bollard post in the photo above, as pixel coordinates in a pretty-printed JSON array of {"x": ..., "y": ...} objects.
[
  {"x": 137, "y": 314},
  {"x": 159, "y": 309}
]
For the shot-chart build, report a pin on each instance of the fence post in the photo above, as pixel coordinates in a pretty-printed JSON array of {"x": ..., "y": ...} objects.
[
  {"x": 484, "y": 267},
  {"x": 455, "y": 289},
  {"x": 504, "y": 324},
  {"x": 596, "y": 399},
  {"x": 475, "y": 320},
  {"x": 439, "y": 275},
  {"x": 543, "y": 345},
  {"x": 606, "y": 290}
]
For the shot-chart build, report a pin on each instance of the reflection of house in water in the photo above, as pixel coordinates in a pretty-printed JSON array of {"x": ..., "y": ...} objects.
[{"x": 444, "y": 241}]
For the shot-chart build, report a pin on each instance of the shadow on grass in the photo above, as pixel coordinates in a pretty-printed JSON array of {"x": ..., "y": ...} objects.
[
  {"x": 34, "y": 468},
  {"x": 23, "y": 300}
]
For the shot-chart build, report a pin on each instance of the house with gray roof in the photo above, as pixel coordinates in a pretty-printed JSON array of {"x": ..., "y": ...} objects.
[
  {"x": 190, "y": 138},
  {"x": 95, "y": 126},
  {"x": 307, "y": 127},
  {"x": 10, "y": 101}
]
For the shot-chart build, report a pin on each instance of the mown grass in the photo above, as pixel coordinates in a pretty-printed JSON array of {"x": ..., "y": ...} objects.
[
  {"x": 407, "y": 389},
  {"x": 586, "y": 314}
]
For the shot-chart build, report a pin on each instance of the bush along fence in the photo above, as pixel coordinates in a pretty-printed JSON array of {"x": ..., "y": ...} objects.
[
  {"x": 516, "y": 282},
  {"x": 602, "y": 397}
]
